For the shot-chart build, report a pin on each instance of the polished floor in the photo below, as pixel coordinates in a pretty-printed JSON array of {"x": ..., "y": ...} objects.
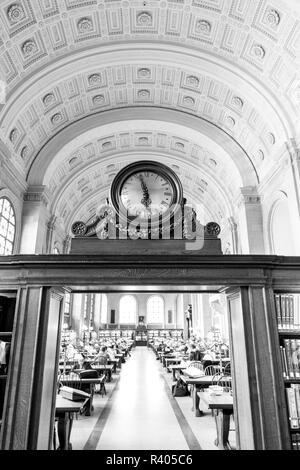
[
  {"x": 140, "y": 413},
  {"x": 142, "y": 416}
]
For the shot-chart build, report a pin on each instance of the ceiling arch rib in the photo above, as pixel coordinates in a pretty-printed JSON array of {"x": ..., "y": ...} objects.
[
  {"x": 190, "y": 127},
  {"x": 138, "y": 137},
  {"x": 206, "y": 173},
  {"x": 259, "y": 37}
]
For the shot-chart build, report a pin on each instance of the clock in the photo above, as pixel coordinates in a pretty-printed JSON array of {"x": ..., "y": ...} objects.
[{"x": 146, "y": 190}]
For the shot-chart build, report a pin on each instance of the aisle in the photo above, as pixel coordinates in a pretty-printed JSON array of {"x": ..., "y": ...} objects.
[{"x": 141, "y": 415}]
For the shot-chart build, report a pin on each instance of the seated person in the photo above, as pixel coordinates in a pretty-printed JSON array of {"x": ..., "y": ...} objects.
[
  {"x": 208, "y": 356},
  {"x": 88, "y": 373},
  {"x": 208, "y": 359},
  {"x": 192, "y": 356},
  {"x": 102, "y": 357},
  {"x": 183, "y": 347},
  {"x": 112, "y": 357},
  {"x": 111, "y": 352},
  {"x": 199, "y": 353}
]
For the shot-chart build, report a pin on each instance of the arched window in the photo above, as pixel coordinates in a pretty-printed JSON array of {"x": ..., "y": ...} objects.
[
  {"x": 7, "y": 227},
  {"x": 155, "y": 310},
  {"x": 56, "y": 251},
  {"x": 281, "y": 228},
  {"x": 127, "y": 309},
  {"x": 103, "y": 308}
]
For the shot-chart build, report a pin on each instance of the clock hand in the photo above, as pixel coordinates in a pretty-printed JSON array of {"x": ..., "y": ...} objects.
[{"x": 146, "y": 201}]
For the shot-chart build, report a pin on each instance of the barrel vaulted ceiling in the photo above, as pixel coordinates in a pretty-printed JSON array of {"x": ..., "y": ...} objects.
[{"x": 234, "y": 64}]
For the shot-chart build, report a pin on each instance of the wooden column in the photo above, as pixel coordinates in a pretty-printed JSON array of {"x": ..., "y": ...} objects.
[
  {"x": 29, "y": 411},
  {"x": 259, "y": 400}
]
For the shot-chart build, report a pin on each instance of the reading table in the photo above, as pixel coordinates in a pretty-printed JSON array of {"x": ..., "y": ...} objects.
[
  {"x": 222, "y": 406},
  {"x": 64, "y": 412}
]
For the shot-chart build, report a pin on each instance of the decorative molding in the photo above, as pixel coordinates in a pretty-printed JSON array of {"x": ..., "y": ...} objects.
[
  {"x": 29, "y": 48},
  {"x": 37, "y": 194},
  {"x": 52, "y": 222},
  {"x": 249, "y": 196},
  {"x": 15, "y": 13},
  {"x": 144, "y": 18}
]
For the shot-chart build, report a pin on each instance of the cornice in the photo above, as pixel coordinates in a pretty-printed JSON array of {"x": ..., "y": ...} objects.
[{"x": 37, "y": 194}]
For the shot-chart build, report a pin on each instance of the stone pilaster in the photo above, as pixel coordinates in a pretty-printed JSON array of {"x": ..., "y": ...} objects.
[
  {"x": 34, "y": 221},
  {"x": 50, "y": 230},
  {"x": 294, "y": 152},
  {"x": 250, "y": 222}
]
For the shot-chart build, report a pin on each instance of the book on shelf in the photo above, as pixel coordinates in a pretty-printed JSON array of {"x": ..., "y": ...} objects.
[
  {"x": 293, "y": 400},
  {"x": 290, "y": 358},
  {"x": 288, "y": 311}
]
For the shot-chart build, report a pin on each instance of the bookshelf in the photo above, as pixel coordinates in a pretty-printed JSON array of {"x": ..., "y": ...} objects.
[
  {"x": 140, "y": 338},
  {"x": 129, "y": 334},
  {"x": 116, "y": 334},
  {"x": 7, "y": 314},
  {"x": 288, "y": 321},
  {"x": 165, "y": 334}
]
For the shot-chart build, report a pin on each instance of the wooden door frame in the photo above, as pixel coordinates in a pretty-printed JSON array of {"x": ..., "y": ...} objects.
[{"x": 253, "y": 277}]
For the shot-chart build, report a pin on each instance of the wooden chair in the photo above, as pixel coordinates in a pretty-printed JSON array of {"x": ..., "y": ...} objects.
[
  {"x": 225, "y": 382},
  {"x": 216, "y": 378},
  {"x": 71, "y": 379},
  {"x": 102, "y": 389},
  {"x": 196, "y": 364},
  {"x": 101, "y": 361},
  {"x": 210, "y": 370}
]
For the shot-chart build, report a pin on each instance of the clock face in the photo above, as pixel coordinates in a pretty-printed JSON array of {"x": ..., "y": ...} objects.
[
  {"x": 146, "y": 194},
  {"x": 146, "y": 190}
]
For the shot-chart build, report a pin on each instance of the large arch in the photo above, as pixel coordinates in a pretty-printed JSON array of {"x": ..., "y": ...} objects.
[{"x": 217, "y": 137}]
